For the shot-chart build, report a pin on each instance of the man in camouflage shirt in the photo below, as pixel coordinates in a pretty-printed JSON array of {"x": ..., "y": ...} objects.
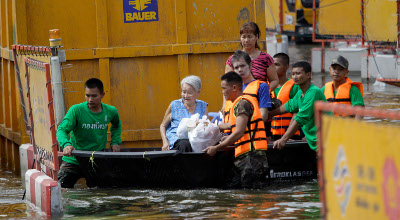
[{"x": 251, "y": 166}]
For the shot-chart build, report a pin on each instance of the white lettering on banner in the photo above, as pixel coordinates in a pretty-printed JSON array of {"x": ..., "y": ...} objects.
[
  {"x": 96, "y": 126},
  {"x": 274, "y": 175},
  {"x": 140, "y": 16}
]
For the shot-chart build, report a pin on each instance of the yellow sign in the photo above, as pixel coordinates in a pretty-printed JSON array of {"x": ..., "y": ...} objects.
[
  {"x": 361, "y": 169},
  {"x": 339, "y": 17},
  {"x": 21, "y": 67},
  {"x": 40, "y": 110},
  {"x": 381, "y": 26}
]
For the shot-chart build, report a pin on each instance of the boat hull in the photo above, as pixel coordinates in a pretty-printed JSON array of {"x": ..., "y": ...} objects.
[{"x": 151, "y": 168}]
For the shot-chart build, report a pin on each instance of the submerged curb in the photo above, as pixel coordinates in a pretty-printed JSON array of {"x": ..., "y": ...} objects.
[{"x": 43, "y": 192}]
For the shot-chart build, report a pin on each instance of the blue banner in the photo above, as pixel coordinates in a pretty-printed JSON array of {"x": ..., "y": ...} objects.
[{"x": 140, "y": 11}]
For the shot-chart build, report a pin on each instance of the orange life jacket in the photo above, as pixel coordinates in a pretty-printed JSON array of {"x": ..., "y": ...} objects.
[
  {"x": 254, "y": 137},
  {"x": 343, "y": 94},
  {"x": 251, "y": 89},
  {"x": 280, "y": 123},
  {"x": 227, "y": 112}
]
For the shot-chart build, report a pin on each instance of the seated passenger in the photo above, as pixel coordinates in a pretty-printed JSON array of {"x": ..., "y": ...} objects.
[
  {"x": 248, "y": 136},
  {"x": 342, "y": 90},
  {"x": 241, "y": 63},
  {"x": 286, "y": 90},
  {"x": 303, "y": 105},
  {"x": 185, "y": 107}
]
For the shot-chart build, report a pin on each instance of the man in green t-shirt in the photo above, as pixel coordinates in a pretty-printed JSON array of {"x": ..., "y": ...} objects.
[
  {"x": 303, "y": 105},
  {"x": 342, "y": 90},
  {"x": 87, "y": 125}
]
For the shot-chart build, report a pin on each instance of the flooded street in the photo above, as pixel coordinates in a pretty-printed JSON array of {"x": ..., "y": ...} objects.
[
  {"x": 11, "y": 192},
  {"x": 278, "y": 202},
  {"x": 295, "y": 201}
]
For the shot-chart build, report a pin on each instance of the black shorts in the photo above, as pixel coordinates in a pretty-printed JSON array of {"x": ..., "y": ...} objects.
[{"x": 69, "y": 174}]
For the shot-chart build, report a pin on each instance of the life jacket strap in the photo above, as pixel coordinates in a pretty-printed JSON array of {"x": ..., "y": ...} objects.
[{"x": 338, "y": 100}]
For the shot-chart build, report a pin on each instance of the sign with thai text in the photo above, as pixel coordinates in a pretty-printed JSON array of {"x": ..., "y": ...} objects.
[{"x": 361, "y": 164}]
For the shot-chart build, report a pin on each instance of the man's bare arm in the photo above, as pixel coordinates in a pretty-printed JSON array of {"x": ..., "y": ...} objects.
[
  {"x": 264, "y": 114},
  {"x": 224, "y": 126},
  {"x": 293, "y": 127},
  {"x": 279, "y": 111},
  {"x": 241, "y": 122}
]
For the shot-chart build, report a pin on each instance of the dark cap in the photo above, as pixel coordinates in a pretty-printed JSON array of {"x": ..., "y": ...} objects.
[{"x": 341, "y": 61}]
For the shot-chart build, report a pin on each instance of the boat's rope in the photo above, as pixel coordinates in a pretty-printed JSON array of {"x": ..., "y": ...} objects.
[
  {"x": 145, "y": 157},
  {"x": 91, "y": 159}
]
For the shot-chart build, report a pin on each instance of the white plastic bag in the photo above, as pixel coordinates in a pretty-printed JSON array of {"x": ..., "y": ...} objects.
[
  {"x": 185, "y": 125},
  {"x": 205, "y": 134}
]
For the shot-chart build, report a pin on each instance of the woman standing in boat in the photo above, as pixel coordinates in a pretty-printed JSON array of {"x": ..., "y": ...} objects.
[
  {"x": 261, "y": 63},
  {"x": 179, "y": 109}
]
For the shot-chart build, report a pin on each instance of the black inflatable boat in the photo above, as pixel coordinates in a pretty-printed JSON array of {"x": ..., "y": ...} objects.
[{"x": 152, "y": 168}]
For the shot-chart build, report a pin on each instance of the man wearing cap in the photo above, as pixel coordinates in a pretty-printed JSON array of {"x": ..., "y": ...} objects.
[{"x": 342, "y": 90}]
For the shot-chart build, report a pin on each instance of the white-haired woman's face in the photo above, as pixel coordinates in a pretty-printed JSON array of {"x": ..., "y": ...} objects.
[{"x": 189, "y": 94}]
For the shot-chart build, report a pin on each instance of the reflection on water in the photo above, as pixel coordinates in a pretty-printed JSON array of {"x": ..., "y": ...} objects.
[
  {"x": 281, "y": 202},
  {"x": 278, "y": 202},
  {"x": 11, "y": 204}
]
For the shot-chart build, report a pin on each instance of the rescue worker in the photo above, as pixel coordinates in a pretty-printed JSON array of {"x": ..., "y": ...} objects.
[
  {"x": 286, "y": 90},
  {"x": 303, "y": 105},
  {"x": 241, "y": 63},
  {"x": 248, "y": 136},
  {"x": 342, "y": 90},
  {"x": 84, "y": 127}
]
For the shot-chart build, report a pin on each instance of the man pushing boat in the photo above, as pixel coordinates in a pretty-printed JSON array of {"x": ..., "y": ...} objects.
[
  {"x": 87, "y": 124},
  {"x": 303, "y": 105},
  {"x": 248, "y": 135}
]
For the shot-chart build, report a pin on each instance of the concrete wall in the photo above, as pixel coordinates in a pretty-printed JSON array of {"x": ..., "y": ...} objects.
[
  {"x": 380, "y": 66},
  {"x": 353, "y": 55},
  {"x": 273, "y": 47}
]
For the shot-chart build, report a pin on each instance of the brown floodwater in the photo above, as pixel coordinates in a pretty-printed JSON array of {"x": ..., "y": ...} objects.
[{"x": 299, "y": 201}]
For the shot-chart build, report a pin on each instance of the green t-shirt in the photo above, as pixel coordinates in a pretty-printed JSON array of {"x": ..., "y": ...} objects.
[
  {"x": 355, "y": 95},
  {"x": 88, "y": 130},
  {"x": 304, "y": 107},
  {"x": 293, "y": 90}
]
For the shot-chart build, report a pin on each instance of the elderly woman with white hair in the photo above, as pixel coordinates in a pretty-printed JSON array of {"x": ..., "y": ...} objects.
[{"x": 179, "y": 109}]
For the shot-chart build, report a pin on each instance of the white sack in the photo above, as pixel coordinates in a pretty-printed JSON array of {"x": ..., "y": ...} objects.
[{"x": 205, "y": 134}]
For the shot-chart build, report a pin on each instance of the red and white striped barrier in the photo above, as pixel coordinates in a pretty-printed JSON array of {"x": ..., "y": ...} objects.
[
  {"x": 43, "y": 192},
  {"x": 25, "y": 158}
]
